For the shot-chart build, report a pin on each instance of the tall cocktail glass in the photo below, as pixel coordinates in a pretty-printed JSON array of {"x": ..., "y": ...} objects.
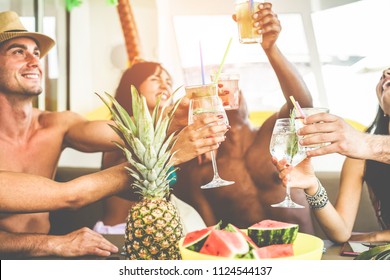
[
  {"x": 201, "y": 106},
  {"x": 284, "y": 144}
]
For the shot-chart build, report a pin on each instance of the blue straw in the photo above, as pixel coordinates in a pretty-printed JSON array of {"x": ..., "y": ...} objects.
[{"x": 201, "y": 62}]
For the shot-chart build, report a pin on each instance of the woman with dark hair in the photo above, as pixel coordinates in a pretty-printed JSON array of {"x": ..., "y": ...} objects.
[
  {"x": 337, "y": 221},
  {"x": 153, "y": 81}
]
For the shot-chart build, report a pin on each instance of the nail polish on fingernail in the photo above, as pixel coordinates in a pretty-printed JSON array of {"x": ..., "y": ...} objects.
[
  {"x": 220, "y": 117},
  {"x": 255, "y": 15}
]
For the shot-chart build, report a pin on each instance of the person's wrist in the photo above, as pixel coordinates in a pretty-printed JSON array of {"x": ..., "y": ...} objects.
[
  {"x": 320, "y": 199},
  {"x": 313, "y": 187},
  {"x": 270, "y": 50},
  {"x": 374, "y": 148},
  {"x": 51, "y": 246}
]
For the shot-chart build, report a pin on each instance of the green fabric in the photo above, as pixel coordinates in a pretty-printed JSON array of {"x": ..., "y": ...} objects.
[{"x": 172, "y": 177}]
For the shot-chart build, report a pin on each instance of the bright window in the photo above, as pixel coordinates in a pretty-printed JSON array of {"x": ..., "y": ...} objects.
[{"x": 351, "y": 39}]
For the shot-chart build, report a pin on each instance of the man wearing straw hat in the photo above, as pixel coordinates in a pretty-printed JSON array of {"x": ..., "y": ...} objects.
[
  {"x": 245, "y": 158},
  {"x": 31, "y": 142}
]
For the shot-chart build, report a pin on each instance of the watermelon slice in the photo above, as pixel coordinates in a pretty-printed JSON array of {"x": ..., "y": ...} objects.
[
  {"x": 225, "y": 244},
  {"x": 233, "y": 228},
  {"x": 269, "y": 232},
  {"x": 195, "y": 240},
  {"x": 273, "y": 251}
]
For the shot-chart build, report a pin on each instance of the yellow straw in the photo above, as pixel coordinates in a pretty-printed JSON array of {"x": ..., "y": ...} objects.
[
  {"x": 223, "y": 61},
  {"x": 297, "y": 107}
]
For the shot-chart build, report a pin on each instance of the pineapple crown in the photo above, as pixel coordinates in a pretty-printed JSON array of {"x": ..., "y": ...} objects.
[{"x": 146, "y": 145}]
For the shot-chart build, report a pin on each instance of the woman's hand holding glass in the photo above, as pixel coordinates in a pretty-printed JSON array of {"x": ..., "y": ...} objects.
[
  {"x": 202, "y": 136},
  {"x": 301, "y": 176},
  {"x": 207, "y": 106}
]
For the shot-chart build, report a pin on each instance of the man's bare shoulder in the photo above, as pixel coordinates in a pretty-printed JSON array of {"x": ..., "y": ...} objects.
[{"x": 63, "y": 118}]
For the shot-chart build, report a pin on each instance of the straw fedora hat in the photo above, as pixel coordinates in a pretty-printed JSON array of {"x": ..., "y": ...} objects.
[{"x": 11, "y": 27}]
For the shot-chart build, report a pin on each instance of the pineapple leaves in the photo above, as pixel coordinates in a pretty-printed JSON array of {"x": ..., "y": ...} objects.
[
  {"x": 135, "y": 100},
  {"x": 145, "y": 143},
  {"x": 145, "y": 124},
  {"x": 118, "y": 112}
]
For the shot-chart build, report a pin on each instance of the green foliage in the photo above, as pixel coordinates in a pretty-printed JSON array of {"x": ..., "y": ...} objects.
[
  {"x": 377, "y": 253},
  {"x": 70, "y": 4},
  {"x": 147, "y": 146}
]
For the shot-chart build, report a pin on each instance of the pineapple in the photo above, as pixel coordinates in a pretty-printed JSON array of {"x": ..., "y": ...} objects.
[{"x": 153, "y": 226}]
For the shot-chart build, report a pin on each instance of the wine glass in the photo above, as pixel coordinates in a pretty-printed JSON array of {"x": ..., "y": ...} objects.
[
  {"x": 212, "y": 105},
  {"x": 284, "y": 144}
]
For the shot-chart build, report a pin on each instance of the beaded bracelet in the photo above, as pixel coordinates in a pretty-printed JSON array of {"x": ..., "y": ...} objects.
[{"x": 319, "y": 199}]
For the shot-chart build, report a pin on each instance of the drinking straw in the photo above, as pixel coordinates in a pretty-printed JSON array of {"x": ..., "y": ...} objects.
[
  {"x": 223, "y": 61},
  {"x": 297, "y": 106},
  {"x": 201, "y": 62},
  {"x": 251, "y": 5}
]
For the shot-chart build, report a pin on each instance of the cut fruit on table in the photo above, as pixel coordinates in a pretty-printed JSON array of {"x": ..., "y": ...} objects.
[{"x": 266, "y": 239}]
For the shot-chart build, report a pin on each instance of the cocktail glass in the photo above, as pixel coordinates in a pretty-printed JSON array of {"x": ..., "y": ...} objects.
[
  {"x": 284, "y": 144},
  {"x": 228, "y": 90},
  {"x": 203, "y": 106}
]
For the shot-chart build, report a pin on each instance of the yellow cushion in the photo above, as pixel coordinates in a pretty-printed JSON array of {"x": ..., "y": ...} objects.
[
  {"x": 100, "y": 113},
  {"x": 356, "y": 125},
  {"x": 257, "y": 118}
]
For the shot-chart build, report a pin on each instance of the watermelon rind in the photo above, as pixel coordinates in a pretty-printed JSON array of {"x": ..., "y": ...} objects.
[
  {"x": 233, "y": 228},
  {"x": 269, "y": 232},
  {"x": 195, "y": 240}
]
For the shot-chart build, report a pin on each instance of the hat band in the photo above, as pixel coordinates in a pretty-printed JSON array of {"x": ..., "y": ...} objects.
[{"x": 17, "y": 30}]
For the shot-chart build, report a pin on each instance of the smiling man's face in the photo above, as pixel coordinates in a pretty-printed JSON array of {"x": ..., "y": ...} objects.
[{"x": 21, "y": 70}]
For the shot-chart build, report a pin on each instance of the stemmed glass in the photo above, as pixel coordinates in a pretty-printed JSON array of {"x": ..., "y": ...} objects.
[
  {"x": 284, "y": 144},
  {"x": 209, "y": 105}
]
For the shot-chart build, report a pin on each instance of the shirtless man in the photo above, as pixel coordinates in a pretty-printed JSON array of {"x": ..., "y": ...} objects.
[
  {"x": 245, "y": 158},
  {"x": 31, "y": 142}
]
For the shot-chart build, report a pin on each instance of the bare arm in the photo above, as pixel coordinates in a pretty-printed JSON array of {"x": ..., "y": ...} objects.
[
  {"x": 336, "y": 221},
  {"x": 20, "y": 192},
  {"x": 88, "y": 136},
  {"x": 78, "y": 243},
  {"x": 343, "y": 139},
  {"x": 289, "y": 78},
  {"x": 378, "y": 148}
]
